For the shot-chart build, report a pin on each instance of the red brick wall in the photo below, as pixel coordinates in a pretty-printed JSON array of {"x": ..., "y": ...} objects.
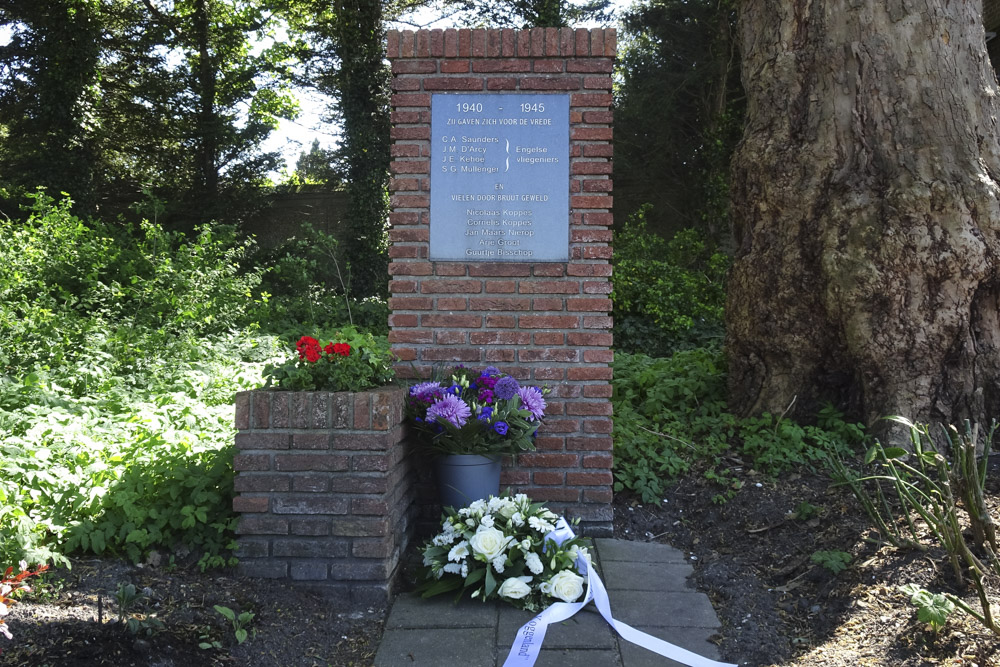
[
  {"x": 325, "y": 490},
  {"x": 545, "y": 323}
]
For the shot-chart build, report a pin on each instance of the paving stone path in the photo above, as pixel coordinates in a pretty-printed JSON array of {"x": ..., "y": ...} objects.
[{"x": 647, "y": 587}]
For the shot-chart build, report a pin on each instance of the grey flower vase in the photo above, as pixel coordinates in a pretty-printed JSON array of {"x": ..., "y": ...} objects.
[{"x": 465, "y": 478}]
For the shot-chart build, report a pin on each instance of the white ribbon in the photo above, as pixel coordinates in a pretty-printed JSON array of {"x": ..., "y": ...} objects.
[{"x": 528, "y": 641}]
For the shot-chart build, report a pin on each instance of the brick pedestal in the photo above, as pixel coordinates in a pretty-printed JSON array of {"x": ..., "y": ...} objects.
[
  {"x": 324, "y": 490},
  {"x": 543, "y": 323}
]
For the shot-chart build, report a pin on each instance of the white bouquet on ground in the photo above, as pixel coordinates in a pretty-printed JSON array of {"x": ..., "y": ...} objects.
[{"x": 496, "y": 548}]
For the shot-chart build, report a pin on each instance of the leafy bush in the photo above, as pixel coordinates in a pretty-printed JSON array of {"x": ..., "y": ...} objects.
[
  {"x": 671, "y": 416},
  {"x": 308, "y": 286},
  {"x": 68, "y": 286},
  {"x": 118, "y": 366},
  {"x": 144, "y": 462},
  {"x": 668, "y": 295}
]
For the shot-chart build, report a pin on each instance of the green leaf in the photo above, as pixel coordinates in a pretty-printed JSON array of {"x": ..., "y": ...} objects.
[
  {"x": 936, "y": 610},
  {"x": 894, "y": 452},
  {"x": 491, "y": 582},
  {"x": 871, "y": 454},
  {"x": 225, "y": 611},
  {"x": 241, "y": 635}
]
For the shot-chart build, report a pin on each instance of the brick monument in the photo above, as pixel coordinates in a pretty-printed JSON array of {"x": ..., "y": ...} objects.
[{"x": 500, "y": 232}]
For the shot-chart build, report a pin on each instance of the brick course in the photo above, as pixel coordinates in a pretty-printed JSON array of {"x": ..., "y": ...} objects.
[
  {"x": 325, "y": 486},
  {"x": 546, "y": 323}
]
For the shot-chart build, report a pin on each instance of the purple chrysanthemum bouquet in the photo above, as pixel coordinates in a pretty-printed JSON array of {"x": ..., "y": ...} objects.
[{"x": 486, "y": 412}]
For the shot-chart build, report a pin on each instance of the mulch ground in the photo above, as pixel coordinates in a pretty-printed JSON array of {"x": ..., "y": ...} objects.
[{"x": 752, "y": 555}]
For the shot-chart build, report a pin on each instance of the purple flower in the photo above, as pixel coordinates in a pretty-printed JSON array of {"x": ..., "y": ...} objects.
[
  {"x": 450, "y": 408},
  {"x": 485, "y": 413},
  {"x": 506, "y": 388},
  {"x": 491, "y": 370},
  {"x": 532, "y": 401},
  {"x": 486, "y": 396},
  {"x": 501, "y": 428},
  {"x": 424, "y": 390}
]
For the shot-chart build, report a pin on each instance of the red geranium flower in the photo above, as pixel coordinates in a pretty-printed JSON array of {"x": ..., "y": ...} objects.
[
  {"x": 343, "y": 349},
  {"x": 308, "y": 348}
]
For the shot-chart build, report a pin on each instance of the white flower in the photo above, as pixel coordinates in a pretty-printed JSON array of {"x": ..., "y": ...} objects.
[
  {"x": 452, "y": 568},
  {"x": 478, "y": 507},
  {"x": 540, "y": 525},
  {"x": 444, "y": 538},
  {"x": 499, "y": 562},
  {"x": 470, "y": 522},
  {"x": 488, "y": 542},
  {"x": 515, "y": 588},
  {"x": 517, "y": 519},
  {"x": 465, "y": 570},
  {"x": 487, "y": 521},
  {"x": 534, "y": 563},
  {"x": 565, "y": 585},
  {"x": 495, "y": 503},
  {"x": 526, "y": 545},
  {"x": 459, "y": 551},
  {"x": 507, "y": 509},
  {"x": 521, "y": 498}
]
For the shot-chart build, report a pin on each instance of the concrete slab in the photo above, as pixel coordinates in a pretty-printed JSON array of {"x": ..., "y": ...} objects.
[
  {"x": 411, "y": 611},
  {"x": 636, "y": 552},
  {"x": 624, "y": 575},
  {"x": 647, "y": 584},
  {"x": 439, "y": 647},
  {"x": 585, "y": 630},
  {"x": 688, "y": 609},
  {"x": 574, "y": 658},
  {"x": 693, "y": 639}
]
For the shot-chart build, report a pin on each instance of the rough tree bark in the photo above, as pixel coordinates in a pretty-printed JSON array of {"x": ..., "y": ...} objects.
[{"x": 865, "y": 204}]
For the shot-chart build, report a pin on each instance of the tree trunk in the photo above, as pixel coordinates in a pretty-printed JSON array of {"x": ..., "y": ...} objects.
[
  {"x": 208, "y": 121},
  {"x": 865, "y": 208}
]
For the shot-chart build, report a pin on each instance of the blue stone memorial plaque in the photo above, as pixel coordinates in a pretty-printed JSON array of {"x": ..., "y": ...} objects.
[{"x": 499, "y": 178}]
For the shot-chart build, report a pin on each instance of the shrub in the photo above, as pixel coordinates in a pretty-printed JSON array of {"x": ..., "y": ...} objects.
[
  {"x": 118, "y": 366},
  {"x": 68, "y": 286},
  {"x": 668, "y": 295},
  {"x": 671, "y": 417},
  {"x": 308, "y": 287}
]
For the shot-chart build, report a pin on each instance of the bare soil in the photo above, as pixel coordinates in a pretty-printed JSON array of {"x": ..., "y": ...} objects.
[{"x": 752, "y": 556}]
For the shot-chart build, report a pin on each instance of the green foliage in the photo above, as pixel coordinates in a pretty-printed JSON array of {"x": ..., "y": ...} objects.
[
  {"x": 118, "y": 365},
  {"x": 349, "y": 65},
  {"x": 305, "y": 288},
  {"x": 932, "y": 608},
  {"x": 67, "y": 286},
  {"x": 49, "y": 91},
  {"x": 240, "y": 623},
  {"x": 916, "y": 492},
  {"x": 671, "y": 417},
  {"x": 668, "y": 295},
  {"x": 834, "y": 561},
  {"x": 679, "y": 109},
  {"x": 130, "y": 606},
  {"x": 367, "y": 363},
  {"x": 522, "y": 14}
]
